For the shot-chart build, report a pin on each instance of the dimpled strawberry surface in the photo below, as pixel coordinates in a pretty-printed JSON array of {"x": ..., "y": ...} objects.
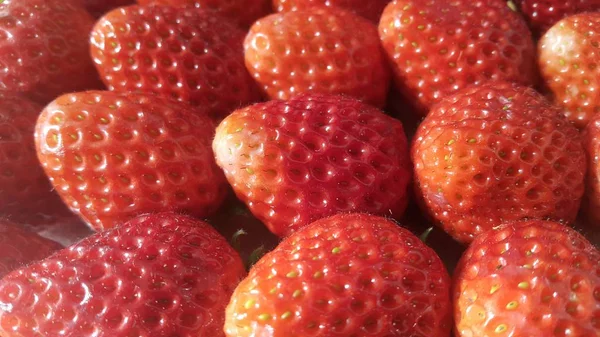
[{"x": 299, "y": 168}]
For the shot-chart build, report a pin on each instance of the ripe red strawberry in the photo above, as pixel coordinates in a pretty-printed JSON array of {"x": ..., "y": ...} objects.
[
  {"x": 294, "y": 162},
  {"x": 99, "y": 7},
  {"x": 543, "y": 14},
  {"x": 19, "y": 247},
  {"x": 568, "y": 60},
  {"x": 347, "y": 275},
  {"x": 321, "y": 50},
  {"x": 243, "y": 13},
  {"x": 495, "y": 153},
  {"x": 113, "y": 156},
  {"x": 187, "y": 54},
  {"x": 439, "y": 47},
  {"x": 158, "y": 275},
  {"x": 368, "y": 9},
  {"x": 591, "y": 143},
  {"x": 532, "y": 278},
  {"x": 44, "y": 48}
]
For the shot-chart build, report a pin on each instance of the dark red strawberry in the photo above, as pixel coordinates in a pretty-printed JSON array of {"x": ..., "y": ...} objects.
[
  {"x": 439, "y": 47},
  {"x": 99, "y": 7},
  {"x": 371, "y": 9},
  {"x": 320, "y": 50},
  {"x": 568, "y": 60},
  {"x": 44, "y": 48},
  {"x": 495, "y": 153},
  {"x": 293, "y": 162},
  {"x": 157, "y": 275},
  {"x": 19, "y": 247},
  {"x": 113, "y": 156},
  {"x": 243, "y": 13},
  {"x": 532, "y": 278},
  {"x": 186, "y": 54},
  {"x": 347, "y": 275},
  {"x": 543, "y": 14},
  {"x": 591, "y": 143}
]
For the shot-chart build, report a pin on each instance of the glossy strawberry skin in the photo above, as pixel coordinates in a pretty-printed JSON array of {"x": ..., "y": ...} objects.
[
  {"x": 19, "y": 247},
  {"x": 495, "y": 153},
  {"x": 243, "y": 13},
  {"x": 44, "y": 48},
  {"x": 368, "y": 9},
  {"x": 591, "y": 143},
  {"x": 568, "y": 58},
  {"x": 440, "y": 47},
  {"x": 158, "y": 275},
  {"x": 99, "y": 7},
  {"x": 294, "y": 162},
  {"x": 347, "y": 275},
  {"x": 543, "y": 14},
  {"x": 182, "y": 53},
  {"x": 531, "y": 278},
  {"x": 113, "y": 156},
  {"x": 318, "y": 50}
]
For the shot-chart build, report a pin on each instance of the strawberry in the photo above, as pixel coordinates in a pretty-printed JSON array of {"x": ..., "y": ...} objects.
[
  {"x": 347, "y": 275},
  {"x": 368, "y": 9},
  {"x": 543, "y": 14},
  {"x": 320, "y": 50},
  {"x": 294, "y": 162},
  {"x": 568, "y": 60},
  {"x": 438, "y": 47},
  {"x": 157, "y": 275},
  {"x": 495, "y": 153},
  {"x": 113, "y": 156},
  {"x": 243, "y": 13},
  {"x": 16, "y": 246},
  {"x": 531, "y": 278},
  {"x": 186, "y": 54},
  {"x": 99, "y": 7},
  {"x": 44, "y": 48},
  {"x": 591, "y": 144}
]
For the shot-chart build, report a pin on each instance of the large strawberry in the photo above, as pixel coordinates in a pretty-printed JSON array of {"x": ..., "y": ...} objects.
[
  {"x": 99, "y": 7},
  {"x": 532, "y": 278},
  {"x": 182, "y": 53},
  {"x": 322, "y": 50},
  {"x": 114, "y": 156},
  {"x": 543, "y": 14},
  {"x": 19, "y": 247},
  {"x": 371, "y": 9},
  {"x": 156, "y": 276},
  {"x": 296, "y": 161},
  {"x": 438, "y": 47},
  {"x": 591, "y": 143},
  {"x": 568, "y": 61},
  {"x": 244, "y": 13},
  {"x": 44, "y": 48},
  {"x": 347, "y": 275},
  {"x": 495, "y": 153}
]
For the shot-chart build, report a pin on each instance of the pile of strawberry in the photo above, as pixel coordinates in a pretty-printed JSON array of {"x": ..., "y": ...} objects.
[{"x": 265, "y": 168}]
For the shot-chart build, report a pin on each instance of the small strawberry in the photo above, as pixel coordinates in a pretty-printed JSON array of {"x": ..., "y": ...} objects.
[
  {"x": 591, "y": 143},
  {"x": 543, "y": 14},
  {"x": 321, "y": 50},
  {"x": 186, "y": 54},
  {"x": 568, "y": 60},
  {"x": 100, "y": 7},
  {"x": 531, "y": 278},
  {"x": 294, "y": 162},
  {"x": 113, "y": 156},
  {"x": 347, "y": 275},
  {"x": 243, "y": 13},
  {"x": 157, "y": 275},
  {"x": 19, "y": 247},
  {"x": 371, "y": 9},
  {"x": 438, "y": 47},
  {"x": 495, "y": 153},
  {"x": 44, "y": 48}
]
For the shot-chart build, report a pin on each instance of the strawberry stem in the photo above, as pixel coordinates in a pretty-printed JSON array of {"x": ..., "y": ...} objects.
[
  {"x": 426, "y": 234},
  {"x": 235, "y": 240}
]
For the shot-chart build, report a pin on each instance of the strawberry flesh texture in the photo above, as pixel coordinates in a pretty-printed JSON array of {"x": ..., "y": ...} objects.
[
  {"x": 440, "y": 47},
  {"x": 99, "y": 7},
  {"x": 591, "y": 143},
  {"x": 294, "y": 162},
  {"x": 158, "y": 275},
  {"x": 568, "y": 60},
  {"x": 495, "y": 153},
  {"x": 113, "y": 156},
  {"x": 371, "y": 9},
  {"x": 183, "y": 53},
  {"x": 543, "y": 14},
  {"x": 532, "y": 278},
  {"x": 347, "y": 275},
  {"x": 44, "y": 48},
  {"x": 326, "y": 50}
]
